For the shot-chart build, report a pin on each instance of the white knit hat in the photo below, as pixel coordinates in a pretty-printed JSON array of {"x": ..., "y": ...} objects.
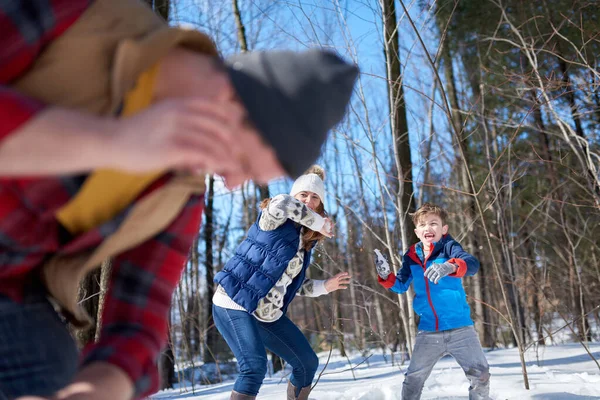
[{"x": 310, "y": 182}]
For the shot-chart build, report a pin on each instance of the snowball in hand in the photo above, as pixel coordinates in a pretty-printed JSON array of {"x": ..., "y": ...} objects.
[{"x": 382, "y": 265}]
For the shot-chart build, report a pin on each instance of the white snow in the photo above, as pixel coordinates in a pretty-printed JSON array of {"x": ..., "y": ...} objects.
[{"x": 564, "y": 372}]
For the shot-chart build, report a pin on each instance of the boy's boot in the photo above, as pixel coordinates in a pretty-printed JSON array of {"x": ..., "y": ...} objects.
[
  {"x": 238, "y": 396},
  {"x": 291, "y": 392}
]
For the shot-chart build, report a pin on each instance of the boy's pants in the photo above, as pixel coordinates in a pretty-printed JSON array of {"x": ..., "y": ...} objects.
[{"x": 462, "y": 344}]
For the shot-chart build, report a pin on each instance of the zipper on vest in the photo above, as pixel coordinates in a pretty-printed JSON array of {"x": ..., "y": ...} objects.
[{"x": 418, "y": 259}]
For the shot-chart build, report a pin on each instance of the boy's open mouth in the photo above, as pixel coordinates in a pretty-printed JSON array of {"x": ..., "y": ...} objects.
[{"x": 429, "y": 236}]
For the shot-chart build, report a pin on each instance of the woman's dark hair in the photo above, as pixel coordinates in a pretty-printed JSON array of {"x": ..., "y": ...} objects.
[{"x": 310, "y": 238}]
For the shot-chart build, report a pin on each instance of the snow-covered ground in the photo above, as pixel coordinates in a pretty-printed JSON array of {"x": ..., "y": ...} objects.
[{"x": 564, "y": 372}]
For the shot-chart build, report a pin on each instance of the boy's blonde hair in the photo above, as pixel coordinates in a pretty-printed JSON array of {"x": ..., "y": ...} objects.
[{"x": 429, "y": 208}]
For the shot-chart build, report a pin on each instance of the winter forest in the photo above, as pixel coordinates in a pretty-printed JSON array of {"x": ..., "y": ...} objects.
[{"x": 489, "y": 108}]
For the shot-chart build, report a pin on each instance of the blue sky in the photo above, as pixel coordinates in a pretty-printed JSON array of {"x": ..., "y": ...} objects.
[{"x": 353, "y": 29}]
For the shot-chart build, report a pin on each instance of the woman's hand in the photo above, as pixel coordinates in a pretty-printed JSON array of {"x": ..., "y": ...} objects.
[
  {"x": 327, "y": 229},
  {"x": 340, "y": 281}
]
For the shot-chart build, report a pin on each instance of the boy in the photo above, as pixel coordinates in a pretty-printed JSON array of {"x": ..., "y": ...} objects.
[{"x": 435, "y": 265}]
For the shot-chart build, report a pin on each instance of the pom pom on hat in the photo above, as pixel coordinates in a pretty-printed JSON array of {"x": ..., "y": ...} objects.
[
  {"x": 311, "y": 181},
  {"x": 317, "y": 170}
]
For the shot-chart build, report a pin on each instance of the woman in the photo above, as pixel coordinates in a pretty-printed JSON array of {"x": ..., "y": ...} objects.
[{"x": 265, "y": 274}]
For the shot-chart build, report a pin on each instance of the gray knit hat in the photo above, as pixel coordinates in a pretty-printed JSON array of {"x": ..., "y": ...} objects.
[{"x": 293, "y": 99}]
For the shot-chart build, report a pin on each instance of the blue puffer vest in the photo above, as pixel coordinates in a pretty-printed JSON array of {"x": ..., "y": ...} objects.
[{"x": 259, "y": 261}]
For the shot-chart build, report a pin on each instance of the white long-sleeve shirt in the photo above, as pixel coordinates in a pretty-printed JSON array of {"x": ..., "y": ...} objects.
[{"x": 281, "y": 208}]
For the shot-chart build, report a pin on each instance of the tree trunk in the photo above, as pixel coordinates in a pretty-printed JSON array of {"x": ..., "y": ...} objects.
[
  {"x": 368, "y": 247},
  {"x": 162, "y": 8},
  {"x": 211, "y": 331},
  {"x": 166, "y": 362},
  {"x": 309, "y": 321},
  {"x": 249, "y": 214},
  {"x": 167, "y": 358},
  {"x": 318, "y": 320},
  {"x": 555, "y": 191},
  {"x": 89, "y": 290},
  {"x": 337, "y": 326},
  {"x": 425, "y": 192},
  {"x": 400, "y": 136},
  {"x": 105, "y": 273},
  {"x": 510, "y": 297},
  {"x": 596, "y": 94},
  {"x": 357, "y": 325},
  {"x": 263, "y": 191},
  {"x": 577, "y": 302},
  {"x": 543, "y": 139},
  {"x": 460, "y": 139},
  {"x": 398, "y": 121},
  {"x": 533, "y": 288},
  {"x": 241, "y": 29},
  {"x": 277, "y": 362},
  {"x": 591, "y": 170}
]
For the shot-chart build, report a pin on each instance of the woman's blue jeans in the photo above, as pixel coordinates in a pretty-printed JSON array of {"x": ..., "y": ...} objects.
[{"x": 247, "y": 337}]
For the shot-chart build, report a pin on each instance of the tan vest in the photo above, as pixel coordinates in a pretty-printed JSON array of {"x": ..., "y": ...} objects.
[{"x": 91, "y": 67}]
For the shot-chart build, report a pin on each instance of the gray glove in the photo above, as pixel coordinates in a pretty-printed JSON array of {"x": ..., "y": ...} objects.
[
  {"x": 437, "y": 271},
  {"x": 382, "y": 265}
]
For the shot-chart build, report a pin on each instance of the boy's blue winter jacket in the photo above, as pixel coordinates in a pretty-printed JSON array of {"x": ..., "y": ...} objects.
[
  {"x": 441, "y": 306},
  {"x": 259, "y": 261}
]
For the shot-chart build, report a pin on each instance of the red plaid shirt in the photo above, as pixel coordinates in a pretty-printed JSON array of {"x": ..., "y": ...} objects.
[{"x": 143, "y": 279}]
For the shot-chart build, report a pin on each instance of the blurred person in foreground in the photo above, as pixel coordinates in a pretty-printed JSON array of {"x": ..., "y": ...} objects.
[{"x": 109, "y": 119}]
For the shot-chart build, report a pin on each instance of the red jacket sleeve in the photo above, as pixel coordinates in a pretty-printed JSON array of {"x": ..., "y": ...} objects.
[
  {"x": 136, "y": 308},
  {"x": 15, "y": 110},
  {"x": 26, "y": 28},
  {"x": 461, "y": 267}
]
